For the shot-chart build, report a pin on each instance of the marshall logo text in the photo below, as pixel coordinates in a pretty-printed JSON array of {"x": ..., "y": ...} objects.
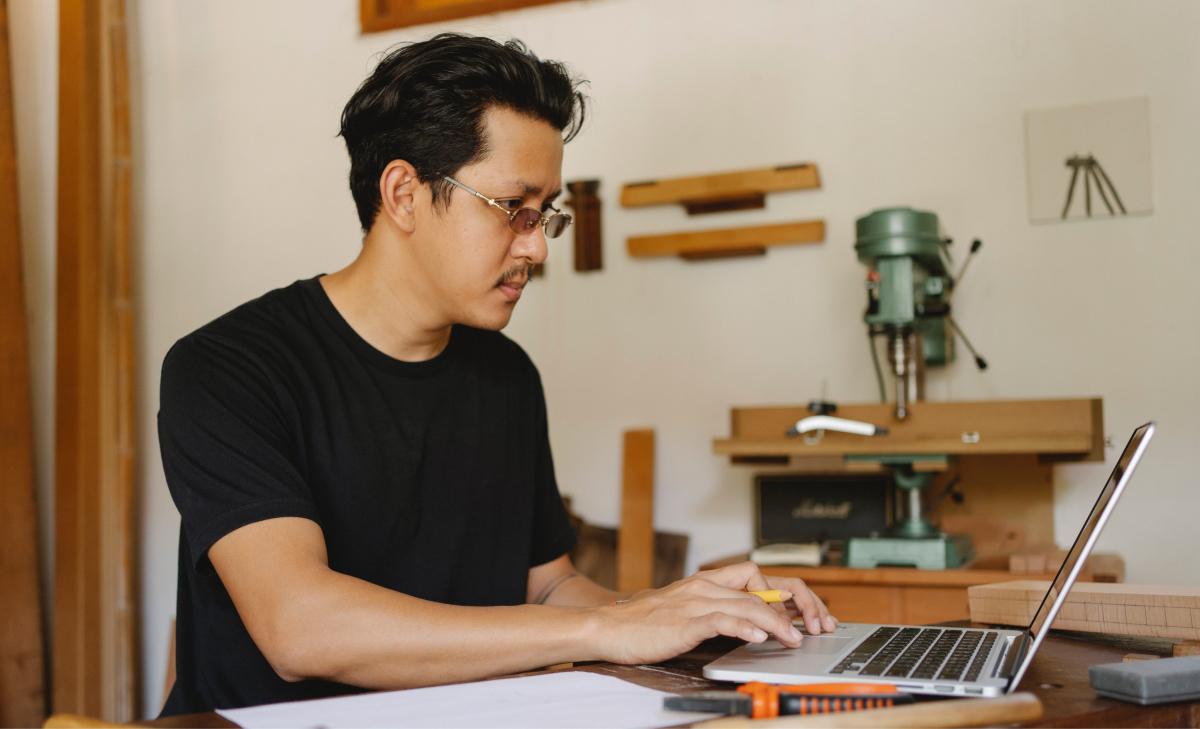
[{"x": 812, "y": 509}]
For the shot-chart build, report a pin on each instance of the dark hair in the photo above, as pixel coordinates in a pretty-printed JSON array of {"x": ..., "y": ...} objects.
[{"x": 425, "y": 102}]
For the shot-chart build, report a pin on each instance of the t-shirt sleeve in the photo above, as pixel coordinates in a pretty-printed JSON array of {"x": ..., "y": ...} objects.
[
  {"x": 226, "y": 450},
  {"x": 553, "y": 535}
]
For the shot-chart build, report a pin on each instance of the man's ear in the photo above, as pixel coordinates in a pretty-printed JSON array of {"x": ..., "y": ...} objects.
[{"x": 398, "y": 186}]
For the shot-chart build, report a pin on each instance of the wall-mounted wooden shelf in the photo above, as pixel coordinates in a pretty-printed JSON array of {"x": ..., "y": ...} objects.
[
  {"x": 721, "y": 192},
  {"x": 726, "y": 243},
  {"x": 1052, "y": 429}
]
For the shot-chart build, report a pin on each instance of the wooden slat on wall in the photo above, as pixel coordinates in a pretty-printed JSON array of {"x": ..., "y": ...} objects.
[
  {"x": 95, "y": 646},
  {"x": 22, "y": 690},
  {"x": 380, "y": 15},
  {"x": 635, "y": 538}
]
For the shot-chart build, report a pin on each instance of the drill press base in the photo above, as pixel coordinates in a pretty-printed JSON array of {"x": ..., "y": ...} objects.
[{"x": 945, "y": 552}]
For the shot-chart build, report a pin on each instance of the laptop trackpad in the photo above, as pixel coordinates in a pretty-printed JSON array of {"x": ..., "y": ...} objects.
[{"x": 818, "y": 645}]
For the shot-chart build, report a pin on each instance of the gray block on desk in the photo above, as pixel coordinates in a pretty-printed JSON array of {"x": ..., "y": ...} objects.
[{"x": 1149, "y": 682}]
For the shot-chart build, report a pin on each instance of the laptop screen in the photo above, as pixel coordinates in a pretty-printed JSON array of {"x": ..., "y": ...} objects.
[{"x": 1083, "y": 543}]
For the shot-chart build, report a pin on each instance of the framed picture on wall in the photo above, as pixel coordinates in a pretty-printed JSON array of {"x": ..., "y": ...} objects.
[{"x": 380, "y": 15}]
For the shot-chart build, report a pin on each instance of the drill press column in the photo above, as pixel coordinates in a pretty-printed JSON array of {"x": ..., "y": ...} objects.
[{"x": 907, "y": 288}]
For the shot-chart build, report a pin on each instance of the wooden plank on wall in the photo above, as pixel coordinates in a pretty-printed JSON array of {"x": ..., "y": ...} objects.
[
  {"x": 727, "y": 241},
  {"x": 635, "y": 538},
  {"x": 722, "y": 186},
  {"x": 95, "y": 647},
  {"x": 22, "y": 684},
  {"x": 380, "y": 15}
]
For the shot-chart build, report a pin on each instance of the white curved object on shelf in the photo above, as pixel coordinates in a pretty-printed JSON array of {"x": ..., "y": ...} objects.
[{"x": 841, "y": 425}]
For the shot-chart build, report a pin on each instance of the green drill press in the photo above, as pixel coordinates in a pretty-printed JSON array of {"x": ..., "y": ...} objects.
[{"x": 908, "y": 305}]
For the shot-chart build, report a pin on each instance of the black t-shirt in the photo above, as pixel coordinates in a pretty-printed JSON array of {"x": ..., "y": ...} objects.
[{"x": 430, "y": 478}]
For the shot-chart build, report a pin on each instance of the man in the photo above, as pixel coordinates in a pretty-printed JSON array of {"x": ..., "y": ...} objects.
[{"x": 361, "y": 460}]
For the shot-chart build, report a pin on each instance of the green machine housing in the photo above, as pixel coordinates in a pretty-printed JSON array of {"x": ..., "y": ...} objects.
[
  {"x": 904, "y": 247},
  {"x": 908, "y": 303}
]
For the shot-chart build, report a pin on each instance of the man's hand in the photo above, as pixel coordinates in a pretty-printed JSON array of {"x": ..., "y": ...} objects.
[
  {"x": 663, "y": 623},
  {"x": 804, "y": 604}
]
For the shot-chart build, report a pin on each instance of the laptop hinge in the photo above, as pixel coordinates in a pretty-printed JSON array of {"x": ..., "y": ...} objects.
[{"x": 1012, "y": 659}]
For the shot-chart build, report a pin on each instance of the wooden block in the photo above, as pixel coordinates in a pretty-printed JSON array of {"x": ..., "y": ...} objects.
[
  {"x": 1136, "y": 657},
  {"x": 586, "y": 205},
  {"x": 1106, "y": 567},
  {"x": 728, "y": 241},
  {"x": 1186, "y": 648},
  {"x": 723, "y": 187},
  {"x": 1179, "y": 617},
  {"x": 635, "y": 538},
  {"x": 1095, "y": 607}
]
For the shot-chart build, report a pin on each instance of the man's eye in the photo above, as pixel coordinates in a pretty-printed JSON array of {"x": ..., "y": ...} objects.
[{"x": 510, "y": 204}]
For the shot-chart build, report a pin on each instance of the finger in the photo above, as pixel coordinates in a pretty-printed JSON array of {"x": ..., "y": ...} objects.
[
  {"x": 764, "y": 617},
  {"x": 755, "y": 579},
  {"x": 808, "y": 606},
  {"x": 711, "y": 590},
  {"x": 743, "y": 576},
  {"x": 828, "y": 622},
  {"x": 719, "y": 623}
]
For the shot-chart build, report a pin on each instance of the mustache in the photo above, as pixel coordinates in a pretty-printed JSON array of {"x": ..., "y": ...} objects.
[{"x": 515, "y": 273}]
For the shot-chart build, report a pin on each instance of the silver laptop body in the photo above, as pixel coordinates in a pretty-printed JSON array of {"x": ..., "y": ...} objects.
[{"x": 928, "y": 660}]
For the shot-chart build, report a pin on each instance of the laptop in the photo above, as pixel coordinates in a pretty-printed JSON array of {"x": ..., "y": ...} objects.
[{"x": 928, "y": 660}]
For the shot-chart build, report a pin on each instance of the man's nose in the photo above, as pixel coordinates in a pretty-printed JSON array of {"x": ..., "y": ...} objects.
[{"x": 532, "y": 246}]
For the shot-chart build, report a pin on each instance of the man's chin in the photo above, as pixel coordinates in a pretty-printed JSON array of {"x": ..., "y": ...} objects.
[{"x": 493, "y": 320}]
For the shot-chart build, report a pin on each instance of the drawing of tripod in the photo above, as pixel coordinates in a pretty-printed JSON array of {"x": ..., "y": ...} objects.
[{"x": 1091, "y": 171}]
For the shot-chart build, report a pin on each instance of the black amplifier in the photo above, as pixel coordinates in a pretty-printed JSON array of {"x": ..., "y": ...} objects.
[{"x": 821, "y": 507}]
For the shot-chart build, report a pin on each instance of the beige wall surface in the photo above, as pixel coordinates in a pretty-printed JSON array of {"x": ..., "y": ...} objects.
[{"x": 242, "y": 189}]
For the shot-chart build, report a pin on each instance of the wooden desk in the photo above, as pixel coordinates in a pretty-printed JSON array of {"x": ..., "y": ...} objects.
[
  {"x": 1058, "y": 676},
  {"x": 892, "y": 594}
]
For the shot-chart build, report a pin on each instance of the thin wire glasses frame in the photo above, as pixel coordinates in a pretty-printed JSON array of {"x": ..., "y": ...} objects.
[{"x": 523, "y": 220}]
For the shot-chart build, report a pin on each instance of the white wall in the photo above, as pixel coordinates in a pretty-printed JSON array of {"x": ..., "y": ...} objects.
[{"x": 918, "y": 102}]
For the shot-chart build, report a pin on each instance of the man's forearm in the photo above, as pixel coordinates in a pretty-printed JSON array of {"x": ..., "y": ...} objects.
[
  {"x": 559, "y": 583},
  {"x": 347, "y": 630},
  {"x": 577, "y": 590}
]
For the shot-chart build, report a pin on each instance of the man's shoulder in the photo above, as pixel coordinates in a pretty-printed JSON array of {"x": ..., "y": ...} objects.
[{"x": 259, "y": 330}]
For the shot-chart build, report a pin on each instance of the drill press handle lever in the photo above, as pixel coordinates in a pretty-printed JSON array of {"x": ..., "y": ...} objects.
[{"x": 841, "y": 425}]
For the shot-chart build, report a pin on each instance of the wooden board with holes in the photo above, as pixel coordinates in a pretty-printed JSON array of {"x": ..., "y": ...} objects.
[
  {"x": 1059, "y": 429},
  {"x": 728, "y": 242},
  {"x": 722, "y": 186},
  {"x": 1160, "y": 611}
]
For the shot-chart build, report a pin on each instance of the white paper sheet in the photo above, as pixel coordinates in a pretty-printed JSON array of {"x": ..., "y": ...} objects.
[{"x": 552, "y": 700}]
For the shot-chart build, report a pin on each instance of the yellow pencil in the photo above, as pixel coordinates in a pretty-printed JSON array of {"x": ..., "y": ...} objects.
[{"x": 773, "y": 595}]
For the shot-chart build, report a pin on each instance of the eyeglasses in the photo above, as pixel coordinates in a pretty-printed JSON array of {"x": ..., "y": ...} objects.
[{"x": 523, "y": 220}]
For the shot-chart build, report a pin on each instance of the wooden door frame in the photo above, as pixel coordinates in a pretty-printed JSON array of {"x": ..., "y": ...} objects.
[
  {"x": 22, "y": 682},
  {"x": 96, "y": 635}
]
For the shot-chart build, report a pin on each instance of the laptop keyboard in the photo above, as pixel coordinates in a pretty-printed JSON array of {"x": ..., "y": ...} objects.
[{"x": 920, "y": 653}]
